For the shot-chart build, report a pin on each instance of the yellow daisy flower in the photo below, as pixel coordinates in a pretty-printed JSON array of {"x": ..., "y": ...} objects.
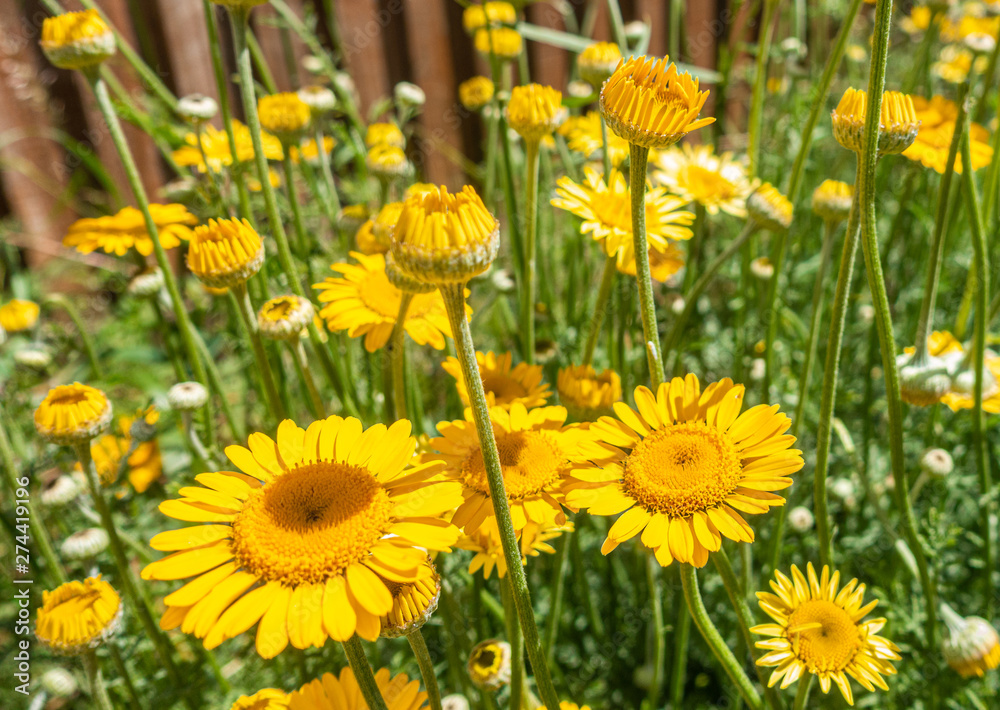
[
  {"x": 898, "y": 121},
  {"x": 504, "y": 42},
  {"x": 662, "y": 264},
  {"x": 959, "y": 394},
  {"x": 489, "y": 664},
  {"x": 412, "y": 602},
  {"x": 683, "y": 467},
  {"x": 284, "y": 114},
  {"x": 116, "y": 234},
  {"x": 216, "y": 145},
  {"x": 78, "y": 616},
  {"x": 267, "y": 699},
  {"x": 937, "y": 125},
  {"x": 365, "y": 239},
  {"x": 598, "y": 62},
  {"x": 476, "y": 92},
  {"x": 586, "y": 394},
  {"x": 72, "y": 414},
  {"x": 505, "y": 385},
  {"x": 18, "y": 314},
  {"x": 77, "y": 40},
  {"x": 364, "y": 302},
  {"x": 308, "y": 151},
  {"x": 343, "y": 693},
  {"x": 606, "y": 210},
  {"x": 534, "y": 111},
  {"x": 535, "y": 451},
  {"x": 972, "y": 646},
  {"x": 819, "y": 630},
  {"x": 384, "y": 134},
  {"x": 145, "y": 464},
  {"x": 583, "y": 135},
  {"x": 475, "y": 17},
  {"x": 533, "y": 539},
  {"x": 225, "y": 252},
  {"x": 298, "y": 540},
  {"x": 697, "y": 174}
]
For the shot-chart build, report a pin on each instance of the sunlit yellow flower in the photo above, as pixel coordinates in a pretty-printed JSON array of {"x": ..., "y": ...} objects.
[
  {"x": 297, "y": 541},
  {"x": 216, "y": 145},
  {"x": 662, "y": 264},
  {"x": 443, "y": 238},
  {"x": 365, "y": 239},
  {"x": 937, "y": 125},
  {"x": 489, "y": 664},
  {"x": 533, "y": 539},
  {"x": 78, "y": 616},
  {"x": 534, "y": 111},
  {"x": 307, "y": 151},
  {"x": 819, "y": 630},
  {"x": 343, "y": 693},
  {"x": 365, "y": 303},
  {"x": 77, "y": 40},
  {"x": 607, "y": 213},
  {"x": 946, "y": 351},
  {"x": 18, "y": 314},
  {"x": 72, "y": 414},
  {"x": 535, "y": 448},
  {"x": 384, "y": 134},
  {"x": 284, "y": 114},
  {"x": 683, "y": 467},
  {"x": 225, "y": 252},
  {"x": 769, "y": 208},
  {"x": 284, "y": 317},
  {"x": 972, "y": 646},
  {"x": 387, "y": 161},
  {"x": 954, "y": 63},
  {"x": 496, "y": 13},
  {"x": 586, "y": 394},
  {"x": 598, "y": 62},
  {"x": 832, "y": 200},
  {"x": 254, "y": 184},
  {"x": 145, "y": 464},
  {"x": 116, "y": 234},
  {"x": 502, "y": 42},
  {"x": 503, "y": 383},
  {"x": 412, "y": 602},
  {"x": 649, "y": 103},
  {"x": 385, "y": 222},
  {"x": 267, "y": 699},
  {"x": 898, "y": 121},
  {"x": 697, "y": 174},
  {"x": 583, "y": 134},
  {"x": 476, "y": 92}
]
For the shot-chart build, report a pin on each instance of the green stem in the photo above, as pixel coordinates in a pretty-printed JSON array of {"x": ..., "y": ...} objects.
[
  {"x": 600, "y": 308},
  {"x": 978, "y": 356},
  {"x": 771, "y": 314},
  {"x": 332, "y": 204},
  {"x": 95, "y": 680},
  {"x": 704, "y": 281},
  {"x": 215, "y": 383},
  {"x": 363, "y": 674},
  {"x": 454, "y": 300},
  {"x": 581, "y": 577},
  {"x": 605, "y": 153},
  {"x": 689, "y": 578},
  {"x": 516, "y": 641},
  {"x": 802, "y": 693},
  {"x": 659, "y": 641},
  {"x": 990, "y": 188},
  {"x": 682, "y": 634},
  {"x": 419, "y": 646},
  {"x": 694, "y": 247},
  {"x": 239, "y": 291},
  {"x": 301, "y": 238},
  {"x": 116, "y": 658},
  {"x": 86, "y": 342},
  {"x": 759, "y": 82},
  {"x": 865, "y": 189},
  {"x": 397, "y": 358},
  {"x": 558, "y": 586},
  {"x": 647, "y": 309},
  {"x": 530, "y": 247},
  {"x": 302, "y": 361}
]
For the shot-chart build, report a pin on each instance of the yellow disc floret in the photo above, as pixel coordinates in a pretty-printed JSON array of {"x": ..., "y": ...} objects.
[
  {"x": 225, "y": 252},
  {"x": 534, "y": 111},
  {"x": 77, "y": 40},
  {"x": 72, "y": 414}
]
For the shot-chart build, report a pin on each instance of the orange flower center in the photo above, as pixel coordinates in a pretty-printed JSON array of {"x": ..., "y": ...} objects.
[
  {"x": 682, "y": 468},
  {"x": 311, "y": 523},
  {"x": 505, "y": 389},
  {"x": 823, "y": 636},
  {"x": 530, "y": 460}
]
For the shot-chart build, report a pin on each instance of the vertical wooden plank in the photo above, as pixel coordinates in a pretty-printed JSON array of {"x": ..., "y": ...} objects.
[
  {"x": 361, "y": 25},
  {"x": 549, "y": 65},
  {"x": 703, "y": 32},
  {"x": 273, "y": 46},
  {"x": 182, "y": 23},
  {"x": 654, "y": 14},
  {"x": 433, "y": 70}
]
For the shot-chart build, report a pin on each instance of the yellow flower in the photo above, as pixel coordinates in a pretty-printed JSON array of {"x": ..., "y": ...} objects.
[
  {"x": 364, "y": 302},
  {"x": 387, "y": 161},
  {"x": 819, "y": 630},
  {"x": 384, "y": 134},
  {"x": 443, "y": 238},
  {"x": 216, "y": 145},
  {"x": 225, "y": 252},
  {"x": 78, "y": 616},
  {"x": 116, "y": 234},
  {"x": 351, "y": 217},
  {"x": 832, "y": 200},
  {"x": 297, "y": 540},
  {"x": 284, "y": 114},
  {"x": 504, "y": 385},
  {"x": 697, "y": 174},
  {"x": 284, "y": 317},
  {"x": 17, "y": 315},
  {"x": 267, "y": 699},
  {"x": 496, "y": 13},
  {"x": 954, "y": 63},
  {"x": 535, "y": 449},
  {"x": 586, "y": 394},
  {"x": 307, "y": 151},
  {"x": 365, "y": 239},
  {"x": 898, "y": 121},
  {"x": 145, "y": 464},
  {"x": 662, "y": 264},
  {"x": 972, "y": 646},
  {"x": 769, "y": 208},
  {"x": 412, "y": 602},
  {"x": 476, "y": 92},
  {"x": 533, "y": 539},
  {"x": 489, "y": 664},
  {"x": 944, "y": 348},
  {"x": 503, "y": 42},
  {"x": 534, "y": 111},
  {"x": 343, "y": 693},
  {"x": 937, "y": 125},
  {"x": 649, "y": 103},
  {"x": 254, "y": 184},
  {"x": 72, "y": 414},
  {"x": 385, "y": 222},
  {"x": 606, "y": 211},
  {"x": 683, "y": 467},
  {"x": 583, "y": 134},
  {"x": 598, "y": 62},
  {"x": 77, "y": 40}
]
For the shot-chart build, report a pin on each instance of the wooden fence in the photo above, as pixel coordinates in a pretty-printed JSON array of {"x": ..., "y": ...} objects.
[{"x": 384, "y": 41}]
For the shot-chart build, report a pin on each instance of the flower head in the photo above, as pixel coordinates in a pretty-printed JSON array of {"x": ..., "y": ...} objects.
[
  {"x": 385, "y": 222},
  {"x": 534, "y": 111},
  {"x": 697, "y": 174},
  {"x": 384, "y": 134},
  {"x": 364, "y": 239},
  {"x": 309, "y": 151},
  {"x": 649, "y": 103},
  {"x": 598, "y": 62},
  {"x": 225, "y": 252},
  {"x": 937, "y": 126},
  {"x": 84, "y": 544},
  {"x": 818, "y": 629},
  {"x": 266, "y": 699},
  {"x": 284, "y": 317},
  {"x": 118, "y": 233},
  {"x": 146, "y": 283},
  {"x": 502, "y": 42},
  {"x": 606, "y": 210},
  {"x": 197, "y": 108},
  {"x": 504, "y": 384},
  {"x": 412, "y": 602},
  {"x": 832, "y": 200},
  {"x": 387, "y": 161},
  {"x": 946, "y": 356},
  {"x": 898, "y": 121},
  {"x": 972, "y": 646},
  {"x": 586, "y": 394},
  {"x": 489, "y": 664},
  {"x": 494, "y": 13},
  {"x": 683, "y": 467},
  {"x": 284, "y": 114},
  {"x": 302, "y": 538},
  {"x": 343, "y": 692},
  {"x": 533, "y": 539},
  {"x": 583, "y": 134},
  {"x": 18, "y": 314},
  {"x": 187, "y": 396},
  {"x": 78, "y": 616},
  {"x": 476, "y": 92},
  {"x": 215, "y": 143},
  {"x": 662, "y": 264},
  {"x": 77, "y": 40},
  {"x": 445, "y": 238},
  {"x": 319, "y": 99},
  {"x": 364, "y": 302},
  {"x": 145, "y": 464},
  {"x": 72, "y": 414},
  {"x": 769, "y": 208}
]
